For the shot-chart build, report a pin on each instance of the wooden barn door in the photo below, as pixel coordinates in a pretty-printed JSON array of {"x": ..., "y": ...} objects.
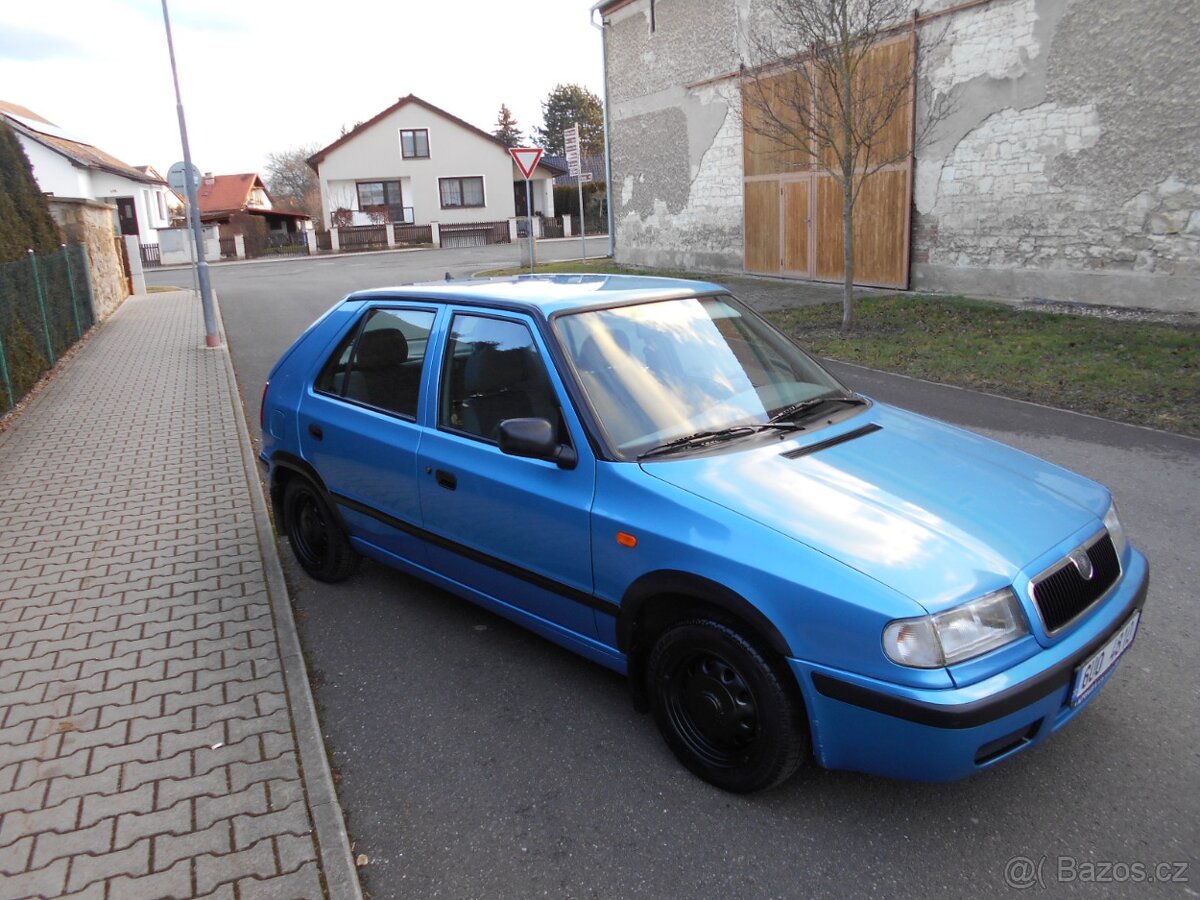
[
  {"x": 762, "y": 226},
  {"x": 797, "y": 234},
  {"x": 778, "y": 232},
  {"x": 793, "y": 207}
]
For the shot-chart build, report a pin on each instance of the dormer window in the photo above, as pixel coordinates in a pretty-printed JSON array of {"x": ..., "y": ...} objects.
[{"x": 414, "y": 143}]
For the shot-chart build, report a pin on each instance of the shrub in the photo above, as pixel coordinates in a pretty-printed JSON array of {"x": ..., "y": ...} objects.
[{"x": 25, "y": 220}]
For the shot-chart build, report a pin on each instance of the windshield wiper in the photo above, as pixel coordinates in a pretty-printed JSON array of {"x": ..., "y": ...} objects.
[
  {"x": 795, "y": 409},
  {"x": 781, "y": 421},
  {"x": 700, "y": 438}
]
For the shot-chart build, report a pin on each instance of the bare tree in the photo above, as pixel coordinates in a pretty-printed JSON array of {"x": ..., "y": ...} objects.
[
  {"x": 293, "y": 182},
  {"x": 820, "y": 83}
]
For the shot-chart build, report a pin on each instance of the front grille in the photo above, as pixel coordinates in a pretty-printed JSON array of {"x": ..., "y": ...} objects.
[{"x": 1062, "y": 593}]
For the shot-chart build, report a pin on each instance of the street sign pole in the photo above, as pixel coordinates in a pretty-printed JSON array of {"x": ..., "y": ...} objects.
[
  {"x": 212, "y": 337},
  {"x": 529, "y": 226},
  {"x": 582, "y": 227},
  {"x": 527, "y": 159},
  {"x": 574, "y": 167}
]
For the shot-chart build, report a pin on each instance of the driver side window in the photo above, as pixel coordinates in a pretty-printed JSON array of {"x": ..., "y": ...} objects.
[{"x": 492, "y": 372}]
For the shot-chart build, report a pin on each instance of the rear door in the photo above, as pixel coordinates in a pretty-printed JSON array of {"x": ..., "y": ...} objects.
[
  {"x": 359, "y": 426},
  {"x": 512, "y": 528}
]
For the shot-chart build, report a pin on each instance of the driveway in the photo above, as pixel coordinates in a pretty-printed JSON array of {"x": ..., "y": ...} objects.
[{"x": 476, "y": 760}]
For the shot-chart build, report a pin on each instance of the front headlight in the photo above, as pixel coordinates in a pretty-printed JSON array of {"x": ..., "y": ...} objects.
[
  {"x": 958, "y": 634},
  {"x": 1116, "y": 531}
]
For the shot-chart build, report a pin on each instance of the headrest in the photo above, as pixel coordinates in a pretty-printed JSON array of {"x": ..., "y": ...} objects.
[
  {"x": 381, "y": 348},
  {"x": 490, "y": 369}
]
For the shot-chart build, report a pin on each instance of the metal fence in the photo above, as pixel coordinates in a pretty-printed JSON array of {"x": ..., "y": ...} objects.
[
  {"x": 552, "y": 228},
  {"x": 151, "y": 256},
  {"x": 474, "y": 234},
  {"x": 363, "y": 237},
  {"x": 286, "y": 243},
  {"x": 412, "y": 234},
  {"x": 595, "y": 224},
  {"x": 45, "y": 307}
]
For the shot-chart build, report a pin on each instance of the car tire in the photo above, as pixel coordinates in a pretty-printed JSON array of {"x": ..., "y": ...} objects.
[
  {"x": 317, "y": 540},
  {"x": 725, "y": 708}
]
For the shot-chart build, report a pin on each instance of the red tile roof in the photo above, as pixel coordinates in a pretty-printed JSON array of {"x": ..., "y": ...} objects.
[{"x": 226, "y": 193}]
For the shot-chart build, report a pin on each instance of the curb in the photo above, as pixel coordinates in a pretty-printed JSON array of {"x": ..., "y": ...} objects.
[{"x": 333, "y": 843}]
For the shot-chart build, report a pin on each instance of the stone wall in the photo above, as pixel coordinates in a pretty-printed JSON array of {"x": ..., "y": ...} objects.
[
  {"x": 91, "y": 223},
  {"x": 1068, "y": 170}
]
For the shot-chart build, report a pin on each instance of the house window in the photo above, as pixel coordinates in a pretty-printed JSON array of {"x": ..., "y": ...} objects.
[
  {"x": 461, "y": 192},
  {"x": 375, "y": 194},
  {"x": 414, "y": 143}
]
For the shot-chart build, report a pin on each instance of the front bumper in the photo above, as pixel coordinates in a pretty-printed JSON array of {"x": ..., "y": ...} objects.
[{"x": 941, "y": 735}]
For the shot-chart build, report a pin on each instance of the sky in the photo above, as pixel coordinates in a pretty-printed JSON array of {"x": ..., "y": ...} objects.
[{"x": 265, "y": 76}]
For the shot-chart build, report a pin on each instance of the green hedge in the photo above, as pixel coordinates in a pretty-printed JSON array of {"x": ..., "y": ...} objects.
[
  {"x": 566, "y": 199},
  {"x": 45, "y": 307},
  {"x": 25, "y": 221}
]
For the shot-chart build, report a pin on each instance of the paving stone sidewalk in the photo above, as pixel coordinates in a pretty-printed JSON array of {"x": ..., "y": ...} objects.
[{"x": 157, "y": 736}]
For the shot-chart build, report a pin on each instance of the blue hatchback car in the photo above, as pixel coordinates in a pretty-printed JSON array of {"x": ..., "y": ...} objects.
[{"x": 644, "y": 471}]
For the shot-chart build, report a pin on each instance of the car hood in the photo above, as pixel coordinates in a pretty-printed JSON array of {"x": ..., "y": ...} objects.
[{"x": 935, "y": 512}]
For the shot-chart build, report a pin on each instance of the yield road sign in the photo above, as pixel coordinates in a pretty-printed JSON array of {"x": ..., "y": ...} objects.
[{"x": 526, "y": 159}]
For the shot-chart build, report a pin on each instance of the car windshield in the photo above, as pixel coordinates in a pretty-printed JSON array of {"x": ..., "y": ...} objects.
[{"x": 675, "y": 372}]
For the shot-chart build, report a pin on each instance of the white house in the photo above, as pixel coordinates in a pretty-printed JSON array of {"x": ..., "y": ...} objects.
[
  {"x": 416, "y": 163},
  {"x": 68, "y": 167}
]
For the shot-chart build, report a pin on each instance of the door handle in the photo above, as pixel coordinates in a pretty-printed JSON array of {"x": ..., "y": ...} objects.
[
  {"x": 446, "y": 479},
  {"x": 316, "y": 431}
]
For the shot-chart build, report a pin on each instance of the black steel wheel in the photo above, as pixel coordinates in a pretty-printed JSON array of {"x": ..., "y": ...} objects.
[
  {"x": 316, "y": 538},
  {"x": 726, "y": 709}
]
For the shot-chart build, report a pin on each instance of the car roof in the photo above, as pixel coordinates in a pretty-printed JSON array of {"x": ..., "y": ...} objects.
[{"x": 546, "y": 294}]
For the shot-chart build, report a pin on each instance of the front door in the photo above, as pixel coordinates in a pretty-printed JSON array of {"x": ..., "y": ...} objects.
[
  {"x": 127, "y": 215},
  {"x": 513, "y": 529}
]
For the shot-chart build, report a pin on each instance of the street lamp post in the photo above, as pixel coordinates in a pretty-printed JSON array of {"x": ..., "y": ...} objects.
[{"x": 211, "y": 337}]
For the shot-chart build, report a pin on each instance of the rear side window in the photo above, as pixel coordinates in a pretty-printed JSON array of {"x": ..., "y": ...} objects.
[{"x": 380, "y": 363}]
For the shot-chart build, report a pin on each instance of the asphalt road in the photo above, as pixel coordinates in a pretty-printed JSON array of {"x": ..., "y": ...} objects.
[{"x": 478, "y": 761}]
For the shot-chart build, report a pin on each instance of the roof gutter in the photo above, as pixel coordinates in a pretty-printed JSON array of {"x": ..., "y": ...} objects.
[{"x": 608, "y": 173}]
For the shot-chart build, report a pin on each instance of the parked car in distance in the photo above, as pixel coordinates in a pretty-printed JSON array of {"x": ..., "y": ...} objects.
[{"x": 646, "y": 472}]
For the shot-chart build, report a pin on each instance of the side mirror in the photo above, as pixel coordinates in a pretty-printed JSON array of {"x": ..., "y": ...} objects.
[{"x": 534, "y": 438}]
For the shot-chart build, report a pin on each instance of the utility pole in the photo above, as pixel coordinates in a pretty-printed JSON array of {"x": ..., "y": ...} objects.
[{"x": 211, "y": 337}]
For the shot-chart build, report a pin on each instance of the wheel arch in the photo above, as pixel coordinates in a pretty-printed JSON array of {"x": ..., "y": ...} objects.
[
  {"x": 284, "y": 467},
  {"x": 657, "y": 599}
]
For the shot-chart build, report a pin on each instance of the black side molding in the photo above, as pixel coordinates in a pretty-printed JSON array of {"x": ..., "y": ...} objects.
[
  {"x": 833, "y": 442},
  {"x": 500, "y": 565}
]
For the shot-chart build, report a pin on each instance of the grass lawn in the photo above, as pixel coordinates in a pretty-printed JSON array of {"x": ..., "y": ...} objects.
[{"x": 1145, "y": 373}]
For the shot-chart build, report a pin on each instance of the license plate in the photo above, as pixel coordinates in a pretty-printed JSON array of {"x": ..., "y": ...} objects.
[{"x": 1100, "y": 663}]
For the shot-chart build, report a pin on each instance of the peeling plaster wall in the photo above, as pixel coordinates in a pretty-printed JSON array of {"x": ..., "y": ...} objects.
[
  {"x": 1070, "y": 168},
  {"x": 677, "y": 153}
]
